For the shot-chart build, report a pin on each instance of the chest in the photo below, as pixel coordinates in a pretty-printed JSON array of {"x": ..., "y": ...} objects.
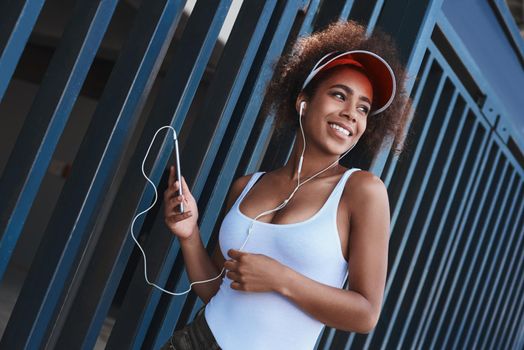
[{"x": 306, "y": 203}]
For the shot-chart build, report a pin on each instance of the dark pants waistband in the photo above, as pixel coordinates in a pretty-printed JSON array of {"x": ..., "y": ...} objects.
[{"x": 194, "y": 336}]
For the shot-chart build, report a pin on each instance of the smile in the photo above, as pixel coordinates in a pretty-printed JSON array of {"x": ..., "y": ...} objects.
[{"x": 340, "y": 130}]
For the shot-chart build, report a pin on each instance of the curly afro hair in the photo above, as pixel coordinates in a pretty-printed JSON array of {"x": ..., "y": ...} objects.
[{"x": 291, "y": 71}]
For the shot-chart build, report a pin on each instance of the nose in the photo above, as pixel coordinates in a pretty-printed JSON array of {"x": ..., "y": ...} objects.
[{"x": 346, "y": 113}]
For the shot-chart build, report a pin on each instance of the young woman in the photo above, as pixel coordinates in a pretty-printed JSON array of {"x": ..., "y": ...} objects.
[{"x": 292, "y": 235}]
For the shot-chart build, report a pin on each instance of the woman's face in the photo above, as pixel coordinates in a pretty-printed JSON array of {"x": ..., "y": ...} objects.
[{"x": 342, "y": 100}]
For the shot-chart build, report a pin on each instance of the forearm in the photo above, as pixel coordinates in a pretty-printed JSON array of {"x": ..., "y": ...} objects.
[
  {"x": 338, "y": 308},
  {"x": 199, "y": 266}
]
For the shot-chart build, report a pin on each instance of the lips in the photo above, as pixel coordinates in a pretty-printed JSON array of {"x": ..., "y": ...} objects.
[{"x": 341, "y": 129}]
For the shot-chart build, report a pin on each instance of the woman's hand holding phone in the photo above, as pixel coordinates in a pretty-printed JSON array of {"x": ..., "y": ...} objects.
[{"x": 183, "y": 225}]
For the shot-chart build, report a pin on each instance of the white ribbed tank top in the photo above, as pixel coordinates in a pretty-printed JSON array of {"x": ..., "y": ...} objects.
[{"x": 268, "y": 320}]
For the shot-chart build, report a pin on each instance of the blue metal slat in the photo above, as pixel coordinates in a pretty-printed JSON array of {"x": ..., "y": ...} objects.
[
  {"x": 119, "y": 248},
  {"x": 283, "y": 27},
  {"x": 433, "y": 213},
  {"x": 485, "y": 209},
  {"x": 410, "y": 199},
  {"x": 510, "y": 279},
  {"x": 16, "y": 24},
  {"x": 233, "y": 69},
  {"x": 515, "y": 310},
  {"x": 418, "y": 202},
  {"x": 415, "y": 159},
  {"x": 431, "y": 83},
  {"x": 77, "y": 210},
  {"x": 415, "y": 59},
  {"x": 263, "y": 139},
  {"x": 35, "y": 146},
  {"x": 47, "y": 118},
  {"x": 416, "y": 97},
  {"x": 455, "y": 80},
  {"x": 477, "y": 164},
  {"x": 487, "y": 279},
  {"x": 516, "y": 336},
  {"x": 142, "y": 300},
  {"x": 451, "y": 211},
  {"x": 418, "y": 193},
  {"x": 346, "y": 9},
  {"x": 404, "y": 185},
  {"x": 375, "y": 14},
  {"x": 485, "y": 325},
  {"x": 486, "y": 234}
]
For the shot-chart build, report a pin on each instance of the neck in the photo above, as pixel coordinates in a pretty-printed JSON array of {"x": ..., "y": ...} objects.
[{"x": 314, "y": 161}]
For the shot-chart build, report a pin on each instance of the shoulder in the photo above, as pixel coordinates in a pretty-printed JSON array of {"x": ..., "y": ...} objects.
[
  {"x": 237, "y": 186},
  {"x": 239, "y": 183},
  {"x": 363, "y": 184}
]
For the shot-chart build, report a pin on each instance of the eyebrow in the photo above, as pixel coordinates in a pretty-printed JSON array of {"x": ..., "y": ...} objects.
[{"x": 350, "y": 91}]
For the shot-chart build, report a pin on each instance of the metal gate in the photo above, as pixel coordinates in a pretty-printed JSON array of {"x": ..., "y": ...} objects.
[{"x": 456, "y": 250}]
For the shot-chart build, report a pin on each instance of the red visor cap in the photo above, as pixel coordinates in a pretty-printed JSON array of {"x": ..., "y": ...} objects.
[{"x": 377, "y": 69}]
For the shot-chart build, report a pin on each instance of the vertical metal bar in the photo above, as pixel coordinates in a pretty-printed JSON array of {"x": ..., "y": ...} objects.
[
  {"x": 434, "y": 97},
  {"x": 47, "y": 118},
  {"x": 422, "y": 192},
  {"x": 416, "y": 96},
  {"x": 270, "y": 50},
  {"x": 483, "y": 213},
  {"x": 516, "y": 311},
  {"x": 484, "y": 235},
  {"x": 265, "y": 138},
  {"x": 141, "y": 300},
  {"x": 231, "y": 74},
  {"x": 123, "y": 100},
  {"x": 17, "y": 19},
  {"x": 53, "y": 269},
  {"x": 477, "y": 163},
  {"x": 491, "y": 273},
  {"x": 485, "y": 329}
]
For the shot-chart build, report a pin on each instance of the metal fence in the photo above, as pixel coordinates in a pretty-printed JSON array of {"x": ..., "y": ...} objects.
[{"x": 456, "y": 250}]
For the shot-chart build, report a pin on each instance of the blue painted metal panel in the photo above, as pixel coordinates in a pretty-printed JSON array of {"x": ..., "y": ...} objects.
[
  {"x": 17, "y": 19},
  {"x": 515, "y": 265},
  {"x": 483, "y": 304},
  {"x": 47, "y": 118},
  {"x": 78, "y": 205}
]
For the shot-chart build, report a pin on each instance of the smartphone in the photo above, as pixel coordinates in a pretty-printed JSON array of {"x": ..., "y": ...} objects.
[{"x": 178, "y": 175}]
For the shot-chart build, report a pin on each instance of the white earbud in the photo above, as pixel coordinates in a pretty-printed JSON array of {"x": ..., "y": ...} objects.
[{"x": 302, "y": 105}]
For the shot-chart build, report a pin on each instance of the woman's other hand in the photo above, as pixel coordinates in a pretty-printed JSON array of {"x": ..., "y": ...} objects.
[
  {"x": 253, "y": 272},
  {"x": 183, "y": 225}
]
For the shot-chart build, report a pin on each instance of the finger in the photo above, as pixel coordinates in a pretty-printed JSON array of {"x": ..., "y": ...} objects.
[
  {"x": 236, "y": 286},
  {"x": 171, "y": 191},
  {"x": 171, "y": 176},
  {"x": 185, "y": 188},
  {"x": 231, "y": 265},
  {"x": 235, "y": 254},
  {"x": 175, "y": 201},
  {"x": 233, "y": 276},
  {"x": 176, "y": 217}
]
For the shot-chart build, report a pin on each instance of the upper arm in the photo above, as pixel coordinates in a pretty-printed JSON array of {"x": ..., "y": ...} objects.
[
  {"x": 369, "y": 239},
  {"x": 234, "y": 191}
]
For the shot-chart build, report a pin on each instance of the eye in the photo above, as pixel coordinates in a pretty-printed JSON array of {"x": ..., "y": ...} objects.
[
  {"x": 337, "y": 93},
  {"x": 364, "y": 109}
]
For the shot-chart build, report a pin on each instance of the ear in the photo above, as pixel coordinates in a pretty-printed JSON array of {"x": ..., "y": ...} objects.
[{"x": 301, "y": 97}]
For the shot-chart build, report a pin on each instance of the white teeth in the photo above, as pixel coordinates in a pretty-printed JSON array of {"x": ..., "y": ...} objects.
[{"x": 336, "y": 127}]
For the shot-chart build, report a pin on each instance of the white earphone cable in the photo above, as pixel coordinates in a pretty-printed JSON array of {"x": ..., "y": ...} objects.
[{"x": 282, "y": 205}]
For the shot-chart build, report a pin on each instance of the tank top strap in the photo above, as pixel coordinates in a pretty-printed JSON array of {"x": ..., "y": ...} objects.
[
  {"x": 254, "y": 178},
  {"x": 334, "y": 198}
]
